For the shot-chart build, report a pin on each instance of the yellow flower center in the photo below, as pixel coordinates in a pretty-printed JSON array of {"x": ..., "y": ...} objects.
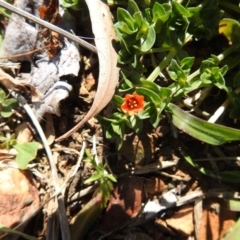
[{"x": 132, "y": 103}]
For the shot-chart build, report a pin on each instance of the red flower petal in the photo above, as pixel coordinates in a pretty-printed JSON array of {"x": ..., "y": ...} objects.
[{"x": 133, "y": 103}]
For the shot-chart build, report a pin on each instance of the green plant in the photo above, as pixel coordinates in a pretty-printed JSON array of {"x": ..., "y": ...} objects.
[
  {"x": 158, "y": 33},
  {"x": 18, "y": 233},
  {"x": 100, "y": 175},
  {"x": 27, "y": 151},
  {"x": 74, "y": 4},
  {"x": 91, "y": 211},
  {"x": 7, "y": 105}
]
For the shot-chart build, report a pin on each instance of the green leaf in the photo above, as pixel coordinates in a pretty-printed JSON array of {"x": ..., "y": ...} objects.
[
  {"x": 67, "y": 4},
  {"x": 7, "y": 107},
  {"x": 124, "y": 56},
  {"x": 155, "y": 116},
  {"x": 206, "y": 65},
  {"x": 174, "y": 70},
  {"x": 202, "y": 130},
  {"x": 161, "y": 13},
  {"x": 26, "y": 153},
  {"x": 179, "y": 9},
  {"x": 176, "y": 73},
  {"x": 114, "y": 118},
  {"x": 87, "y": 216},
  {"x": 230, "y": 176},
  {"x": 186, "y": 64},
  {"x": 118, "y": 128},
  {"x": 211, "y": 74},
  {"x": 146, "y": 113},
  {"x": 157, "y": 11},
  {"x": 117, "y": 101},
  {"x": 147, "y": 41},
  {"x": 95, "y": 177},
  {"x": 2, "y": 96},
  {"x": 233, "y": 205},
  {"x": 5, "y": 12},
  {"x": 141, "y": 24},
  {"x": 8, "y": 142},
  {"x": 111, "y": 177},
  {"x": 149, "y": 94},
  {"x": 9, "y": 230},
  {"x": 150, "y": 85},
  {"x": 136, "y": 123},
  {"x": 165, "y": 94},
  {"x": 126, "y": 21},
  {"x": 132, "y": 7},
  {"x": 230, "y": 28},
  {"x": 2, "y": 138},
  {"x": 234, "y": 233}
]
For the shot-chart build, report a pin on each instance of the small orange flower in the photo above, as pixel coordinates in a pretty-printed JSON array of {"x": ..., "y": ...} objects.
[{"x": 132, "y": 104}]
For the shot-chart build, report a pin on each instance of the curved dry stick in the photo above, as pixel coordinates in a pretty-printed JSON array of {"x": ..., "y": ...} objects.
[{"x": 103, "y": 30}]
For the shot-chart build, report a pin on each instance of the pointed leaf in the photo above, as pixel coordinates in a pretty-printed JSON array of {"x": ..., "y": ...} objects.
[
  {"x": 148, "y": 40},
  {"x": 9, "y": 230},
  {"x": 234, "y": 233},
  {"x": 150, "y": 94},
  {"x": 227, "y": 176},
  {"x": 202, "y": 130}
]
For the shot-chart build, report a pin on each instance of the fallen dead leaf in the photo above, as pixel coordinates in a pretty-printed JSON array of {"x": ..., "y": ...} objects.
[
  {"x": 154, "y": 185},
  {"x": 83, "y": 90},
  {"x": 23, "y": 133},
  {"x": 90, "y": 82},
  {"x": 19, "y": 197},
  {"x": 160, "y": 223},
  {"x": 182, "y": 220},
  {"x": 217, "y": 219},
  {"x": 49, "y": 129},
  {"x": 48, "y": 12},
  {"x": 104, "y": 33},
  {"x": 125, "y": 203}
]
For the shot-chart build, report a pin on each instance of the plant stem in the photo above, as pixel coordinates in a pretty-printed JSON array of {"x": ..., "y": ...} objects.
[
  {"x": 231, "y": 49},
  {"x": 162, "y": 65},
  {"x": 193, "y": 75},
  {"x": 166, "y": 60},
  {"x": 156, "y": 50}
]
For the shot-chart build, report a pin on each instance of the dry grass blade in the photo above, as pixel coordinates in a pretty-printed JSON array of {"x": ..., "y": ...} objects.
[{"x": 109, "y": 72}]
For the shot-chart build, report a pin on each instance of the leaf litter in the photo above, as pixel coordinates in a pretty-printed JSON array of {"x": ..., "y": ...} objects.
[{"x": 46, "y": 70}]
